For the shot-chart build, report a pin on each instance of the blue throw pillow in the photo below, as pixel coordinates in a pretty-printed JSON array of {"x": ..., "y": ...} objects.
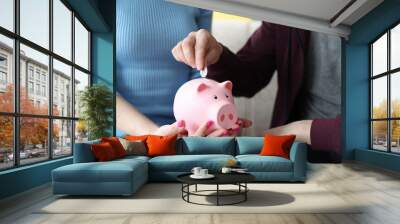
[
  {"x": 249, "y": 145},
  {"x": 206, "y": 145}
]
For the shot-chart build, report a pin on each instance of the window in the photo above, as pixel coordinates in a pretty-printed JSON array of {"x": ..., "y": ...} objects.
[
  {"x": 44, "y": 91},
  {"x": 3, "y": 78},
  {"x": 3, "y": 61},
  {"x": 30, "y": 87},
  {"x": 40, "y": 129},
  {"x": 62, "y": 75},
  {"x": 6, "y": 89},
  {"x": 385, "y": 91},
  {"x": 34, "y": 22},
  {"x": 3, "y": 72},
  {"x": 38, "y": 74},
  {"x": 37, "y": 89},
  {"x": 7, "y": 14},
  {"x": 30, "y": 72},
  {"x": 81, "y": 45}
]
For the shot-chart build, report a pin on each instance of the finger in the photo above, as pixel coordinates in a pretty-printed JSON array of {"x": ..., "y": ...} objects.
[
  {"x": 236, "y": 127},
  {"x": 201, "y": 47},
  {"x": 202, "y": 130},
  {"x": 177, "y": 52},
  {"x": 235, "y": 131},
  {"x": 245, "y": 123},
  {"x": 180, "y": 123},
  {"x": 188, "y": 45},
  {"x": 183, "y": 133},
  {"x": 218, "y": 133}
]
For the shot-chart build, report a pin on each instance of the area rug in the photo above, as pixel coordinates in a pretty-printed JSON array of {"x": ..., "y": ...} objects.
[{"x": 166, "y": 198}]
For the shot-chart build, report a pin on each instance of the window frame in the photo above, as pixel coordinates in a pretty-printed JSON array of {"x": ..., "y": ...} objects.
[
  {"x": 16, "y": 115},
  {"x": 388, "y": 74}
]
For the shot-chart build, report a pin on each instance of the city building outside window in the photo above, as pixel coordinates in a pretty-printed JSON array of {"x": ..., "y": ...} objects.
[
  {"x": 41, "y": 129},
  {"x": 385, "y": 91}
]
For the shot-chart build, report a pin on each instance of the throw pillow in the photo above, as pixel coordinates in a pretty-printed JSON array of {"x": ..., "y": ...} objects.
[
  {"x": 277, "y": 145},
  {"x": 103, "y": 151},
  {"x": 161, "y": 145},
  {"x": 116, "y": 145},
  {"x": 136, "y": 147}
]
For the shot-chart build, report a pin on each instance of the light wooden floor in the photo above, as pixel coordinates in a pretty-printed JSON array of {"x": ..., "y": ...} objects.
[{"x": 379, "y": 189}]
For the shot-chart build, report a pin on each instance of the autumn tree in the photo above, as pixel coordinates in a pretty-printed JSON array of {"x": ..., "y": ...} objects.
[
  {"x": 380, "y": 127},
  {"x": 33, "y": 131}
]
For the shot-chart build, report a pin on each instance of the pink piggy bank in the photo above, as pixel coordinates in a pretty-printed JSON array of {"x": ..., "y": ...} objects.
[{"x": 201, "y": 100}]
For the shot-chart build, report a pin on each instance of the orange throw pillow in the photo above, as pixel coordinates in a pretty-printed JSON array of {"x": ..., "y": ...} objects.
[
  {"x": 136, "y": 138},
  {"x": 116, "y": 145},
  {"x": 103, "y": 151},
  {"x": 277, "y": 145},
  {"x": 161, "y": 145}
]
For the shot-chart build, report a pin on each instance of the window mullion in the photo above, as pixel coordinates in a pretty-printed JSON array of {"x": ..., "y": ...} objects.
[
  {"x": 50, "y": 81},
  {"x": 389, "y": 112},
  {"x": 16, "y": 84},
  {"x": 73, "y": 82}
]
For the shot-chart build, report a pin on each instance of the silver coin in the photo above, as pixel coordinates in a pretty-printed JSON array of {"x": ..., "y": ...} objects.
[{"x": 203, "y": 73}]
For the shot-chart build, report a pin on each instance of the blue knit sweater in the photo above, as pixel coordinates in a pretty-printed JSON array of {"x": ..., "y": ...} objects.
[{"x": 147, "y": 74}]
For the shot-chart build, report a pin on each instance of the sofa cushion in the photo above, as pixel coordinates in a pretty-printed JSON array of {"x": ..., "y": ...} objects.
[
  {"x": 185, "y": 163},
  {"x": 206, "y": 145},
  {"x": 257, "y": 163},
  {"x": 112, "y": 171},
  {"x": 161, "y": 145},
  {"x": 103, "y": 152},
  {"x": 134, "y": 147},
  {"x": 277, "y": 145},
  {"x": 249, "y": 145}
]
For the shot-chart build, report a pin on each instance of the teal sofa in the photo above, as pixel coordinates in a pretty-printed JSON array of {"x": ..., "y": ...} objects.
[{"x": 125, "y": 176}]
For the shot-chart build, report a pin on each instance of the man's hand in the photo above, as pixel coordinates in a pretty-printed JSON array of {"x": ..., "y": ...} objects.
[
  {"x": 302, "y": 130},
  {"x": 198, "y": 50}
]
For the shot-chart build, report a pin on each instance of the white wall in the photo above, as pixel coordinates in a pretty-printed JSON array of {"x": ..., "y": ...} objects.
[{"x": 234, "y": 34}]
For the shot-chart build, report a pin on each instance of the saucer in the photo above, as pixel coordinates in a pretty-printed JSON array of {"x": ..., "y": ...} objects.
[{"x": 208, "y": 176}]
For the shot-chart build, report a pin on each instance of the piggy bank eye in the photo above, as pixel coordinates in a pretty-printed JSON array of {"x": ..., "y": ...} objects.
[
  {"x": 226, "y": 96},
  {"x": 216, "y": 97}
]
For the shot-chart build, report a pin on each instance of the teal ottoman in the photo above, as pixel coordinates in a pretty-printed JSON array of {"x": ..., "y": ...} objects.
[{"x": 118, "y": 177}]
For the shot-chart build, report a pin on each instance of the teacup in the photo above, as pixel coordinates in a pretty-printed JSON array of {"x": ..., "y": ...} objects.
[
  {"x": 196, "y": 171},
  {"x": 203, "y": 172}
]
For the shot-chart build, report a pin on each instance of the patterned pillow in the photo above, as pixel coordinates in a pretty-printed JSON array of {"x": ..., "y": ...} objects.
[{"x": 136, "y": 147}]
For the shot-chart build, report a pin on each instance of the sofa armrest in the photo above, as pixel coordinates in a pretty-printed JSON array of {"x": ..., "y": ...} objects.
[
  {"x": 83, "y": 152},
  {"x": 298, "y": 155}
]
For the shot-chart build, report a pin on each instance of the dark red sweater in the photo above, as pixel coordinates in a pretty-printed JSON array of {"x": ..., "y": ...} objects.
[{"x": 275, "y": 47}]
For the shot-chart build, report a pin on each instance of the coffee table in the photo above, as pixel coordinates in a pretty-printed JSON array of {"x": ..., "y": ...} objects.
[{"x": 238, "y": 179}]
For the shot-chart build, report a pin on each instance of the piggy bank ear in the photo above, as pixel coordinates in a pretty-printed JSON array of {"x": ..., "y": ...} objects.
[
  {"x": 201, "y": 87},
  {"x": 227, "y": 85}
]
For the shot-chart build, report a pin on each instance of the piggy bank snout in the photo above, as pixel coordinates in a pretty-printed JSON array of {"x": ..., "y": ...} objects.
[{"x": 226, "y": 116}]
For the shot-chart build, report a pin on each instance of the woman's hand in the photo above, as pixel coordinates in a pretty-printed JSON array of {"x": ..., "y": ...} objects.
[
  {"x": 206, "y": 131},
  {"x": 198, "y": 50},
  {"x": 177, "y": 128}
]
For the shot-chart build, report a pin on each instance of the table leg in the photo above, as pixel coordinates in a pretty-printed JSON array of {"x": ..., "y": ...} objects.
[
  {"x": 217, "y": 194},
  {"x": 245, "y": 193},
  {"x": 196, "y": 187},
  {"x": 188, "y": 190}
]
